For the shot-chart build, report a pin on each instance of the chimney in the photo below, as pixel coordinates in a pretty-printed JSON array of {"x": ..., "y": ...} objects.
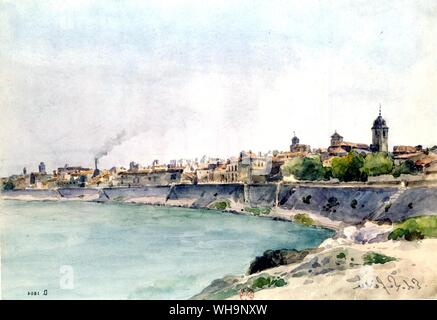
[{"x": 96, "y": 170}]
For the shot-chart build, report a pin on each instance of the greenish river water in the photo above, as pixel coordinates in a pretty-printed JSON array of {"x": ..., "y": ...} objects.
[{"x": 83, "y": 250}]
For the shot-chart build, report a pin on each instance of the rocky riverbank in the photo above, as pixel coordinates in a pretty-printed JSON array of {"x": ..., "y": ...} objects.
[
  {"x": 335, "y": 205},
  {"x": 358, "y": 263}
]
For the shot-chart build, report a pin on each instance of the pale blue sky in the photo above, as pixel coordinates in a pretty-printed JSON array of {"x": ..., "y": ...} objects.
[{"x": 187, "y": 78}]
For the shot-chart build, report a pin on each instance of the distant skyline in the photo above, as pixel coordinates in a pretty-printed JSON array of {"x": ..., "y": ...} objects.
[{"x": 182, "y": 79}]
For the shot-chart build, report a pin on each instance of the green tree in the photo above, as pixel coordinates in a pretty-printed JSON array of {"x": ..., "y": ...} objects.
[
  {"x": 376, "y": 164},
  {"x": 348, "y": 168},
  {"x": 304, "y": 168},
  {"x": 328, "y": 173},
  {"x": 8, "y": 185},
  {"x": 406, "y": 167}
]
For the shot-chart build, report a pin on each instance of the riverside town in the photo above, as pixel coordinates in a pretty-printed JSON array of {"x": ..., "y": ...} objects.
[
  {"x": 340, "y": 161},
  {"x": 363, "y": 217}
]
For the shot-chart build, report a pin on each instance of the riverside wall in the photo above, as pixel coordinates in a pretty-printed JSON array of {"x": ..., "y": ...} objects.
[{"x": 351, "y": 204}]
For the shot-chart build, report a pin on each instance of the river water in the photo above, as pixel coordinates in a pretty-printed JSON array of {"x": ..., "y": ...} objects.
[{"x": 83, "y": 250}]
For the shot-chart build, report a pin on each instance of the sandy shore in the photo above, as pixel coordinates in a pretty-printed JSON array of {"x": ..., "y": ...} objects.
[{"x": 413, "y": 275}]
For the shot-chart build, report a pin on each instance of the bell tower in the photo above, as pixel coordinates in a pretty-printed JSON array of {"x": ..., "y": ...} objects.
[{"x": 379, "y": 134}]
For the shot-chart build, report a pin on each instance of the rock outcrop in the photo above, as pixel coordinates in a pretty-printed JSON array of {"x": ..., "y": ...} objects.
[{"x": 274, "y": 258}]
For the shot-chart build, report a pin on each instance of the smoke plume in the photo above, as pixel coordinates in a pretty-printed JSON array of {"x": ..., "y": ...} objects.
[{"x": 111, "y": 143}]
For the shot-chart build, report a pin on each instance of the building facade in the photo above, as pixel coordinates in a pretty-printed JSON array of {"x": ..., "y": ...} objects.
[{"x": 339, "y": 147}]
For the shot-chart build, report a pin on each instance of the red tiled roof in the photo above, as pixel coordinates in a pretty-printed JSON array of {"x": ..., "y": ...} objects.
[
  {"x": 351, "y": 144},
  {"x": 404, "y": 149},
  {"x": 337, "y": 150},
  {"x": 407, "y": 155},
  {"x": 425, "y": 161}
]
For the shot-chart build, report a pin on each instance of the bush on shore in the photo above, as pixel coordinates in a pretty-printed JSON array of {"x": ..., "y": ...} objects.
[
  {"x": 376, "y": 258},
  {"x": 261, "y": 282},
  {"x": 415, "y": 228},
  {"x": 303, "y": 218},
  {"x": 220, "y": 205},
  {"x": 258, "y": 211}
]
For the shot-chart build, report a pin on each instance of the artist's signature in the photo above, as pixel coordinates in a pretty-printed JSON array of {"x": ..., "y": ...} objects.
[{"x": 390, "y": 284}]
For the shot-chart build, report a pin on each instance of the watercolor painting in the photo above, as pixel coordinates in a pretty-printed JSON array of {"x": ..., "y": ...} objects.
[{"x": 213, "y": 150}]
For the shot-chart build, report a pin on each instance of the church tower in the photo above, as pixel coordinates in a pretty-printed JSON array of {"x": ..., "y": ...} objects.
[
  {"x": 295, "y": 141},
  {"x": 336, "y": 139},
  {"x": 379, "y": 134}
]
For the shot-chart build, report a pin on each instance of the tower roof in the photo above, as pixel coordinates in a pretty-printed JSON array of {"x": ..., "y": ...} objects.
[
  {"x": 295, "y": 139},
  {"x": 336, "y": 135},
  {"x": 379, "y": 122}
]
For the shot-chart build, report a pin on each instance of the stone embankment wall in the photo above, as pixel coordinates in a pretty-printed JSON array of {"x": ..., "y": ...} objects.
[{"x": 351, "y": 204}]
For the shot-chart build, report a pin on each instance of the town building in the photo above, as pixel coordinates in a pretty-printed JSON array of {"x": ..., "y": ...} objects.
[
  {"x": 404, "y": 153},
  {"x": 339, "y": 147},
  {"x": 297, "y": 147},
  {"x": 202, "y": 173},
  {"x": 232, "y": 168},
  {"x": 68, "y": 176},
  {"x": 259, "y": 168},
  {"x": 219, "y": 174},
  {"x": 189, "y": 174},
  {"x": 149, "y": 177},
  {"x": 399, "y": 150},
  {"x": 134, "y": 167}
]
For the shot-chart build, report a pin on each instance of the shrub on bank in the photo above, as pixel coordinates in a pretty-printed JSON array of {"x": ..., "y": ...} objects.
[
  {"x": 376, "y": 258},
  {"x": 415, "y": 228},
  {"x": 261, "y": 282},
  {"x": 258, "y": 211},
  {"x": 409, "y": 235},
  {"x": 220, "y": 205},
  {"x": 341, "y": 255},
  {"x": 303, "y": 218}
]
